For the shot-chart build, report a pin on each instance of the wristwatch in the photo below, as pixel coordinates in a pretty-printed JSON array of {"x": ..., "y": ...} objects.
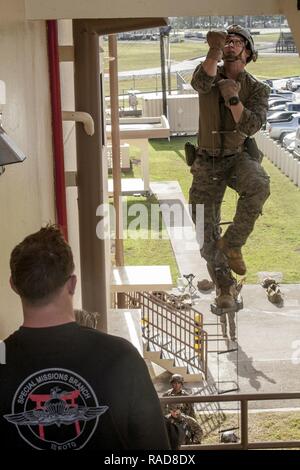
[{"x": 233, "y": 100}]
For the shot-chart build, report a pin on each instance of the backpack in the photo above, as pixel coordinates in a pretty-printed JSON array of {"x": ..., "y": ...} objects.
[{"x": 176, "y": 434}]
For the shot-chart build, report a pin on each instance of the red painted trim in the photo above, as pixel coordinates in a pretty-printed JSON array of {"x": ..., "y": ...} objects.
[{"x": 58, "y": 147}]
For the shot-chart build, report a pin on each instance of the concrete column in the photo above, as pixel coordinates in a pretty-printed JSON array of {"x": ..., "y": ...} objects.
[
  {"x": 290, "y": 167},
  {"x": 286, "y": 160},
  {"x": 90, "y": 173},
  {"x": 298, "y": 174},
  {"x": 272, "y": 147},
  {"x": 295, "y": 170},
  {"x": 279, "y": 156}
]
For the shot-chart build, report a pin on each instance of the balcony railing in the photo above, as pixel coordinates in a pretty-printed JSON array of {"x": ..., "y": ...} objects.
[
  {"x": 244, "y": 400},
  {"x": 173, "y": 326}
]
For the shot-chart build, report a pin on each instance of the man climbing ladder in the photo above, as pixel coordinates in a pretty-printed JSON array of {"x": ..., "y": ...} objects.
[{"x": 233, "y": 107}]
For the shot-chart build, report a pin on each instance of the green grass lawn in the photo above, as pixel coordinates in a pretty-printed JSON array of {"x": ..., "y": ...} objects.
[
  {"x": 134, "y": 55},
  {"x": 263, "y": 427},
  {"x": 140, "y": 55},
  {"x": 273, "y": 246},
  {"x": 275, "y": 66}
]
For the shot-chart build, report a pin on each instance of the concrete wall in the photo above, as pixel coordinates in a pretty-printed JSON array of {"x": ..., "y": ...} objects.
[
  {"x": 26, "y": 189},
  {"x": 65, "y": 38}
]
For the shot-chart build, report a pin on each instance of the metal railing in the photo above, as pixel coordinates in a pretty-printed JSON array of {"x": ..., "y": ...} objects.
[
  {"x": 243, "y": 399},
  {"x": 174, "y": 327}
]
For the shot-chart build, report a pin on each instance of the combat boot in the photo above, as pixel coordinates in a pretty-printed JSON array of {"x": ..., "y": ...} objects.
[
  {"x": 226, "y": 297},
  {"x": 234, "y": 257}
]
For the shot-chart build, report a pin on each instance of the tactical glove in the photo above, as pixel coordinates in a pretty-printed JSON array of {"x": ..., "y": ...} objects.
[
  {"x": 228, "y": 89},
  {"x": 216, "y": 42}
]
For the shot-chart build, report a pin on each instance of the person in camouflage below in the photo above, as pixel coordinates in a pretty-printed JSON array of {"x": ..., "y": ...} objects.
[
  {"x": 177, "y": 389},
  {"x": 233, "y": 107},
  {"x": 190, "y": 431}
]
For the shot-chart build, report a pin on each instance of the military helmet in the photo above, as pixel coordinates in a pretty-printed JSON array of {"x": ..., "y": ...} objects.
[
  {"x": 229, "y": 437},
  {"x": 174, "y": 407},
  {"x": 245, "y": 34},
  {"x": 177, "y": 378}
]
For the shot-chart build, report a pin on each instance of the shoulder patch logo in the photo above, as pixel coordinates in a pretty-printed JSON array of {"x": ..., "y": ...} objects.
[{"x": 55, "y": 409}]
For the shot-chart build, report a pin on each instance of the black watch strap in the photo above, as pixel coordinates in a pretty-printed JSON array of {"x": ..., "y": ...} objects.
[{"x": 233, "y": 100}]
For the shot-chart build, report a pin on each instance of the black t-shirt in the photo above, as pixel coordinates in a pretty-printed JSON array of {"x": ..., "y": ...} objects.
[{"x": 69, "y": 387}]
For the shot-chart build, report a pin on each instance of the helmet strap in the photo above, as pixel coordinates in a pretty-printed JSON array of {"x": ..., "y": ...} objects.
[{"x": 239, "y": 57}]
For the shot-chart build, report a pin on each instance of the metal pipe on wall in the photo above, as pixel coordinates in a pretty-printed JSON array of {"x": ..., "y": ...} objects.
[
  {"x": 58, "y": 146},
  {"x": 115, "y": 145},
  {"x": 163, "y": 73},
  {"x": 115, "y": 142}
]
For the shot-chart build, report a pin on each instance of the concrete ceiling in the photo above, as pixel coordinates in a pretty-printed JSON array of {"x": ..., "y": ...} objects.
[
  {"x": 55, "y": 9},
  {"x": 67, "y": 9}
]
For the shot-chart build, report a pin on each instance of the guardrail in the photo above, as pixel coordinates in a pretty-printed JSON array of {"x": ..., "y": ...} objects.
[
  {"x": 174, "y": 326},
  {"x": 284, "y": 160},
  {"x": 244, "y": 400}
]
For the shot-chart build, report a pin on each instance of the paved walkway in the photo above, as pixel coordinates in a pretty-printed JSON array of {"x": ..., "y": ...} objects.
[
  {"x": 180, "y": 229},
  {"x": 268, "y": 336}
]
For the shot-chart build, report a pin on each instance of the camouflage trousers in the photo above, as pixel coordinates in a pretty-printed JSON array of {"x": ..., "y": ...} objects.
[{"x": 211, "y": 176}]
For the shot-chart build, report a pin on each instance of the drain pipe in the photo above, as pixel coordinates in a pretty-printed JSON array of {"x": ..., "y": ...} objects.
[{"x": 57, "y": 131}]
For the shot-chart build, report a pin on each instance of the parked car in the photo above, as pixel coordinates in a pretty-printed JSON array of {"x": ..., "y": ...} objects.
[
  {"x": 288, "y": 106},
  {"x": 276, "y": 101},
  {"x": 282, "y": 94},
  {"x": 279, "y": 128},
  {"x": 288, "y": 142},
  {"x": 297, "y": 144},
  {"x": 280, "y": 115},
  {"x": 293, "y": 106},
  {"x": 293, "y": 84},
  {"x": 277, "y": 105},
  {"x": 280, "y": 107}
]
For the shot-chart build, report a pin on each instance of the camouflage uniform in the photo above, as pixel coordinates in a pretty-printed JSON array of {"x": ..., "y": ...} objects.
[
  {"x": 221, "y": 161},
  {"x": 192, "y": 432},
  {"x": 186, "y": 408}
]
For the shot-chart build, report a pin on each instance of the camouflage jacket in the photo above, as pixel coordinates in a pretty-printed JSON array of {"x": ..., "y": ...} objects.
[
  {"x": 186, "y": 408},
  {"x": 215, "y": 116},
  {"x": 191, "y": 429}
]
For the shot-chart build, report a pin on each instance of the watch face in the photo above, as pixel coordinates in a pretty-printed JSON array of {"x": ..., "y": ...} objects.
[{"x": 234, "y": 100}]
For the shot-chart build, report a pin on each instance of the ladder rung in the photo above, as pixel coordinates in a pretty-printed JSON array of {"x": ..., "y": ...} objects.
[
  {"x": 228, "y": 429},
  {"x": 222, "y": 392},
  {"x": 227, "y": 351}
]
